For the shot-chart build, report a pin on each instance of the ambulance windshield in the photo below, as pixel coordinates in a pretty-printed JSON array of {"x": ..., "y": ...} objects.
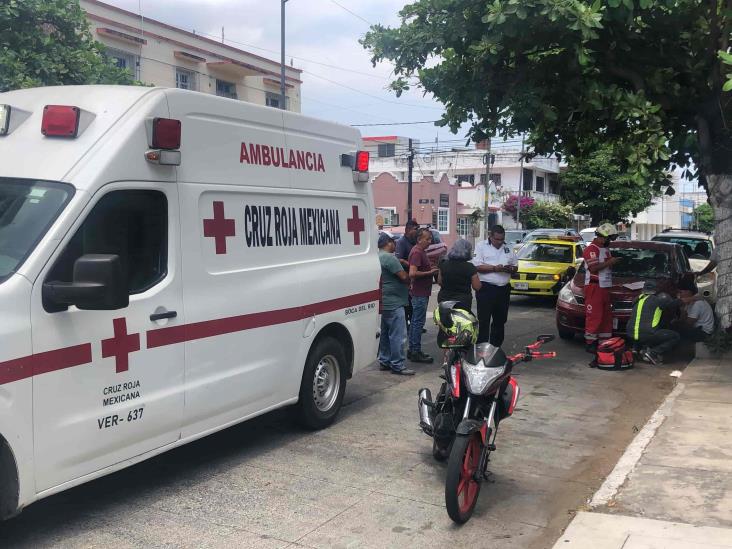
[{"x": 27, "y": 210}]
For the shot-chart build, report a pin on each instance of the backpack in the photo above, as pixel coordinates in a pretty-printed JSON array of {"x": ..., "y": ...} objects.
[{"x": 612, "y": 354}]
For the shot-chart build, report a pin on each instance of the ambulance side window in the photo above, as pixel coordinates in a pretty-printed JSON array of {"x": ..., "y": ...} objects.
[{"x": 132, "y": 224}]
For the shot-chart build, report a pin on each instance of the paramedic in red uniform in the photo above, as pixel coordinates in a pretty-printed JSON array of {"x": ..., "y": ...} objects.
[{"x": 598, "y": 281}]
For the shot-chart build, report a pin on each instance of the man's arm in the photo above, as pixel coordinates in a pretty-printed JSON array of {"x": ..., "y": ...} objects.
[
  {"x": 395, "y": 268},
  {"x": 414, "y": 273}
]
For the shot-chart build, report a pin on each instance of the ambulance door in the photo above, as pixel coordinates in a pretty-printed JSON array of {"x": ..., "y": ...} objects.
[{"x": 107, "y": 387}]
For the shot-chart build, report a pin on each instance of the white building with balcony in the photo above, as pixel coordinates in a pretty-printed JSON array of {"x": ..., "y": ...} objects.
[
  {"x": 537, "y": 177},
  {"x": 160, "y": 54}
]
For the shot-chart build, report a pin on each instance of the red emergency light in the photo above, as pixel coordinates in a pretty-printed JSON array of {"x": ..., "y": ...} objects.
[
  {"x": 166, "y": 133},
  {"x": 60, "y": 121},
  {"x": 362, "y": 161}
]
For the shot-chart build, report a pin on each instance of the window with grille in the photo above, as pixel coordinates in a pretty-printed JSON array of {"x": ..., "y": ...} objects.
[
  {"x": 184, "y": 79},
  {"x": 528, "y": 180},
  {"x": 539, "y": 184},
  {"x": 386, "y": 150},
  {"x": 443, "y": 220},
  {"x": 466, "y": 178},
  {"x": 226, "y": 89},
  {"x": 124, "y": 60},
  {"x": 463, "y": 227}
]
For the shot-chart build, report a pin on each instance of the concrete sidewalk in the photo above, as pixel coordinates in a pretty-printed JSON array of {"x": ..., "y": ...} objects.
[{"x": 673, "y": 486}]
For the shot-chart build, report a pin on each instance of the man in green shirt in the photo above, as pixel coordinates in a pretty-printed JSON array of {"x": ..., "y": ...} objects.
[{"x": 394, "y": 297}]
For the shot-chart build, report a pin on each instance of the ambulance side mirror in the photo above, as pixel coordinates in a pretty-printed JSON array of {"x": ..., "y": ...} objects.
[{"x": 98, "y": 285}]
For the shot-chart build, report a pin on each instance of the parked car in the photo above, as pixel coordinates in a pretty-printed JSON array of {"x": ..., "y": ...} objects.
[
  {"x": 545, "y": 266},
  {"x": 545, "y": 233},
  {"x": 515, "y": 236},
  {"x": 698, "y": 247},
  {"x": 588, "y": 234},
  {"x": 639, "y": 261}
]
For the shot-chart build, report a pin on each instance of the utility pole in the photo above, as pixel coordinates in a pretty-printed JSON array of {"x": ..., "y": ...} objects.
[
  {"x": 283, "y": 97},
  {"x": 410, "y": 160},
  {"x": 521, "y": 185},
  {"x": 487, "y": 196}
]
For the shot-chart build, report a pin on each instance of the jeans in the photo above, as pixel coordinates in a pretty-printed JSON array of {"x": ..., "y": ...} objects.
[
  {"x": 419, "y": 315},
  {"x": 660, "y": 341},
  {"x": 392, "y": 339},
  {"x": 492, "y": 308}
]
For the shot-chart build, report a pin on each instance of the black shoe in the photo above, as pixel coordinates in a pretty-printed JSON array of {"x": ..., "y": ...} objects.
[
  {"x": 419, "y": 356},
  {"x": 404, "y": 372},
  {"x": 384, "y": 367},
  {"x": 424, "y": 330}
]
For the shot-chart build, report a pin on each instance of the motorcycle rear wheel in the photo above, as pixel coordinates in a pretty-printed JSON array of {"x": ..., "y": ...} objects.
[{"x": 461, "y": 488}]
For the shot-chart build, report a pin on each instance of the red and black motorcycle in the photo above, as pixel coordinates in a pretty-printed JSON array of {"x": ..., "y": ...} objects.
[{"x": 477, "y": 394}]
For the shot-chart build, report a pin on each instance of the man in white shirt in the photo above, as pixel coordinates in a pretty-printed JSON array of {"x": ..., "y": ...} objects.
[
  {"x": 495, "y": 263},
  {"x": 697, "y": 319}
]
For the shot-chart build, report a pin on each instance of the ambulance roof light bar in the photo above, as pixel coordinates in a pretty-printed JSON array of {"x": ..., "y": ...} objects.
[
  {"x": 60, "y": 121},
  {"x": 4, "y": 119}
]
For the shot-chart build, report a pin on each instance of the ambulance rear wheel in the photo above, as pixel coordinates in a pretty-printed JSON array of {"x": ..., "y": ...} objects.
[{"x": 323, "y": 385}]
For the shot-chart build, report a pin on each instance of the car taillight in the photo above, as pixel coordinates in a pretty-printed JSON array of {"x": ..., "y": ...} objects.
[
  {"x": 60, "y": 121},
  {"x": 362, "y": 161},
  {"x": 455, "y": 379},
  {"x": 166, "y": 133}
]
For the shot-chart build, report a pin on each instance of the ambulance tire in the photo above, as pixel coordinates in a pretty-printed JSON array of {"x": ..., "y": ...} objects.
[{"x": 323, "y": 385}]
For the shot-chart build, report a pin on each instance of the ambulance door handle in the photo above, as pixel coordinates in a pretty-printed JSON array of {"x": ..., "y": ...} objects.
[{"x": 163, "y": 316}]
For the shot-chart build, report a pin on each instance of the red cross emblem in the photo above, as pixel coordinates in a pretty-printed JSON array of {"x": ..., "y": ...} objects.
[
  {"x": 121, "y": 345},
  {"x": 219, "y": 227},
  {"x": 356, "y": 226}
]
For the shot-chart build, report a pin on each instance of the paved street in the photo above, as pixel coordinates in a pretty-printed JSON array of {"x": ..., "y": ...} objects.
[{"x": 370, "y": 480}]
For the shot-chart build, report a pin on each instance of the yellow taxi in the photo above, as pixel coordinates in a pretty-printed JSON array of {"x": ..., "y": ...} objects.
[{"x": 545, "y": 265}]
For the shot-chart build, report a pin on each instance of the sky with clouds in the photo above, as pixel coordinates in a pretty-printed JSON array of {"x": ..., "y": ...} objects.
[{"x": 319, "y": 33}]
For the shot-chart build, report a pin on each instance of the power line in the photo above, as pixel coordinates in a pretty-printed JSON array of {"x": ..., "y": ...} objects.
[
  {"x": 357, "y": 16},
  {"x": 395, "y": 124}
]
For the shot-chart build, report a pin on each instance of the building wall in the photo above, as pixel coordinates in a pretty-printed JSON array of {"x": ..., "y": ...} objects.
[
  {"x": 389, "y": 192},
  {"x": 154, "y": 50}
]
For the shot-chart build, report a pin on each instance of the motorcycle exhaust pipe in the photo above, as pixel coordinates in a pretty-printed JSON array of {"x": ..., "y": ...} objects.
[{"x": 425, "y": 417}]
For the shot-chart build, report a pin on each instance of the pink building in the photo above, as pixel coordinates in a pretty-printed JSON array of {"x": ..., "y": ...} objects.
[{"x": 434, "y": 202}]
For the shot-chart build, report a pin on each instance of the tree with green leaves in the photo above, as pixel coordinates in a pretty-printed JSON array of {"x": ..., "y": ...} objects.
[
  {"x": 598, "y": 186},
  {"x": 47, "y": 43},
  {"x": 648, "y": 76},
  {"x": 547, "y": 215},
  {"x": 704, "y": 218}
]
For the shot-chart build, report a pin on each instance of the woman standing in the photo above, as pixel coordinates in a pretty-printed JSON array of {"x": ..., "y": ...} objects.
[{"x": 458, "y": 275}]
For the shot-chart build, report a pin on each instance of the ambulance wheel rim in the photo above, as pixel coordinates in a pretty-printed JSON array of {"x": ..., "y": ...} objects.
[{"x": 326, "y": 383}]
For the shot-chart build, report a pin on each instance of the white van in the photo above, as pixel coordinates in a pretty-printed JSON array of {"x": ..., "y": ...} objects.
[{"x": 171, "y": 263}]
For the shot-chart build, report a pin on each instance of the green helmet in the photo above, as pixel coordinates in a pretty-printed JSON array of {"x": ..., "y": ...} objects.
[{"x": 458, "y": 326}]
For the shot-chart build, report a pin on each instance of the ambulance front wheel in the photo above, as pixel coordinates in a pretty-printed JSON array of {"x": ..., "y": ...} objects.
[{"x": 323, "y": 385}]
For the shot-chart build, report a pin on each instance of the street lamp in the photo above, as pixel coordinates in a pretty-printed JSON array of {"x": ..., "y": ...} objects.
[{"x": 283, "y": 98}]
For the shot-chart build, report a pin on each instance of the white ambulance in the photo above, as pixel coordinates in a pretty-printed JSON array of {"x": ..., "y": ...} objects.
[{"x": 171, "y": 263}]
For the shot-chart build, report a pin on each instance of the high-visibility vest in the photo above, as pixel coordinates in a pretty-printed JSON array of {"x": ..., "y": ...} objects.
[{"x": 645, "y": 316}]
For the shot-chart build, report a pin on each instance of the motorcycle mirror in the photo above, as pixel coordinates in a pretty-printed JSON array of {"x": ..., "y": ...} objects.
[{"x": 546, "y": 338}]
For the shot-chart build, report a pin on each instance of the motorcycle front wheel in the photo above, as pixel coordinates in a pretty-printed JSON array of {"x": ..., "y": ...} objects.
[{"x": 461, "y": 488}]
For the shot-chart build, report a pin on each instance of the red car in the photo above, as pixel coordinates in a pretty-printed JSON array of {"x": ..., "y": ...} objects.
[{"x": 639, "y": 261}]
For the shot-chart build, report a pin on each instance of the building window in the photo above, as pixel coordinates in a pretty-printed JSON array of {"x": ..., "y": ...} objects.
[
  {"x": 528, "y": 177},
  {"x": 443, "y": 220},
  {"x": 125, "y": 60},
  {"x": 226, "y": 89},
  {"x": 553, "y": 185},
  {"x": 273, "y": 100},
  {"x": 466, "y": 178},
  {"x": 495, "y": 178},
  {"x": 463, "y": 227},
  {"x": 539, "y": 184},
  {"x": 434, "y": 218},
  {"x": 391, "y": 218},
  {"x": 386, "y": 150},
  {"x": 184, "y": 79}
]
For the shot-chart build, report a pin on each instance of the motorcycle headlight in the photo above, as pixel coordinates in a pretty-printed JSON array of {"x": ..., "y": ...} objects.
[
  {"x": 478, "y": 378},
  {"x": 555, "y": 277},
  {"x": 566, "y": 295}
]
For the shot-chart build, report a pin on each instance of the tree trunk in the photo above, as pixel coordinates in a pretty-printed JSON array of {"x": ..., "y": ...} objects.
[{"x": 719, "y": 188}]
